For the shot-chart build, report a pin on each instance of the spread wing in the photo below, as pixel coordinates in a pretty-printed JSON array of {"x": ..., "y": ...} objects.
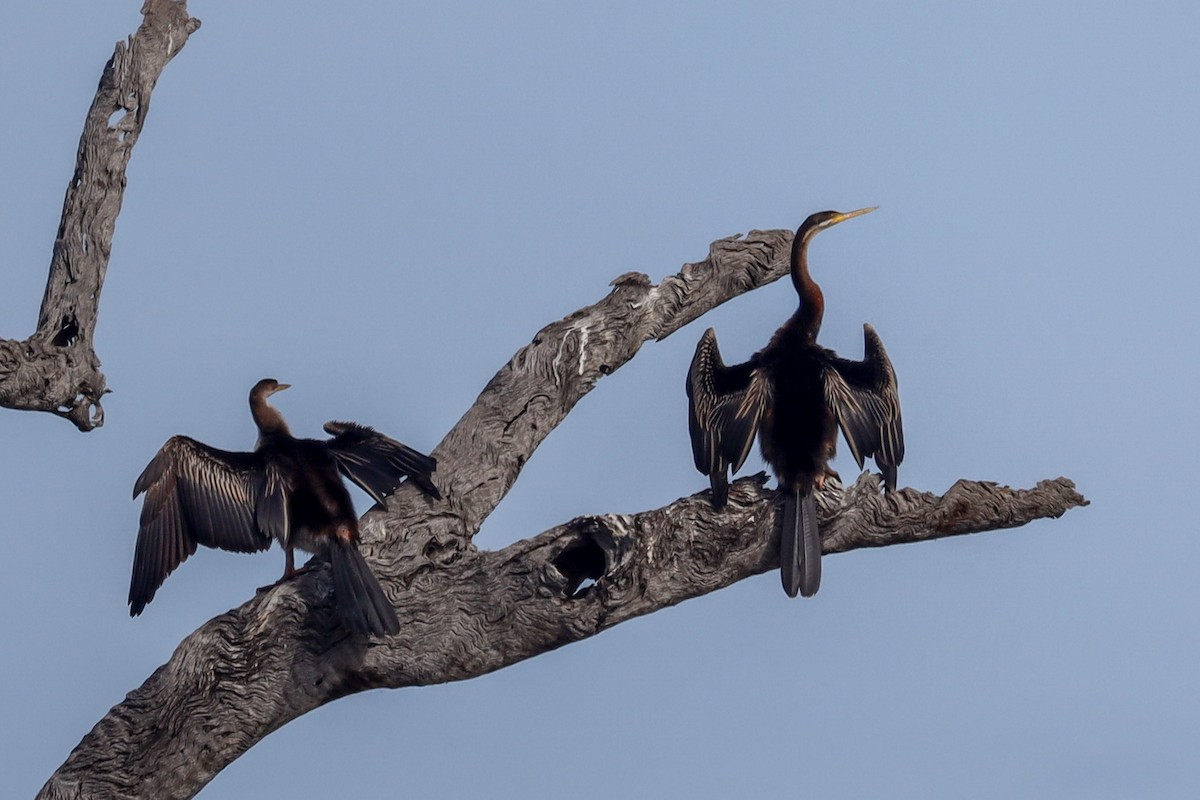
[
  {"x": 725, "y": 406},
  {"x": 196, "y": 494},
  {"x": 377, "y": 463},
  {"x": 866, "y": 401}
]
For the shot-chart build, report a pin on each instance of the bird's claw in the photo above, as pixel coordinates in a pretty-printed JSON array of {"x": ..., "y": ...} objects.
[
  {"x": 826, "y": 475},
  {"x": 287, "y": 576}
]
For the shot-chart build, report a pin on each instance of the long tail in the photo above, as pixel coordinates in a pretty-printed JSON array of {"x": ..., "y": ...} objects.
[
  {"x": 360, "y": 599},
  {"x": 720, "y": 487},
  {"x": 800, "y": 545}
]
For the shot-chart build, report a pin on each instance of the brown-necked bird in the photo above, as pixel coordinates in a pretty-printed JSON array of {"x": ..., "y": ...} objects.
[
  {"x": 794, "y": 394},
  {"x": 287, "y": 489}
]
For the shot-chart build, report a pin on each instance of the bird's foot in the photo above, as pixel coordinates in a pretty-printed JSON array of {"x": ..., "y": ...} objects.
[
  {"x": 826, "y": 475},
  {"x": 287, "y": 576}
]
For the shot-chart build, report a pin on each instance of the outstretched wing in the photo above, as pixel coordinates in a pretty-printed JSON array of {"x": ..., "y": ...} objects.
[
  {"x": 866, "y": 401},
  {"x": 196, "y": 494},
  {"x": 378, "y": 463},
  {"x": 725, "y": 405}
]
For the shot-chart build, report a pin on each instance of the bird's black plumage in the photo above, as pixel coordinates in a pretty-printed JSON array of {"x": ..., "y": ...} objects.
[
  {"x": 289, "y": 490},
  {"x": 795, "y": 394}
]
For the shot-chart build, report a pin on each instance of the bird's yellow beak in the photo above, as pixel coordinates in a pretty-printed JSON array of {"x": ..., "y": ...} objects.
[
  {"x": 851, "y": 215},
  {"x": 281, "y": 387}
]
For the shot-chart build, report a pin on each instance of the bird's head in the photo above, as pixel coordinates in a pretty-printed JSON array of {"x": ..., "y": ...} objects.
[
  {"x": 267, "y": 387},
  {"x": 827, "y": 219}
]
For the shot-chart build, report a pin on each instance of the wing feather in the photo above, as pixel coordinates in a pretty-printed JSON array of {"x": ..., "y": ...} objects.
[
  {"x": 195, "y": 494},
  {"x": 725, "y": 407},
  {"x": 378, "y": 463},
  {"x": 866, "y": 401},
  {"x": 271, "y": 511}
]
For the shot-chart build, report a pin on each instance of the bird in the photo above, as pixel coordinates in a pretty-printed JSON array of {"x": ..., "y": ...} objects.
[
  {"x": 795, "y": 394},
  {"x": 287, "y": 489}
]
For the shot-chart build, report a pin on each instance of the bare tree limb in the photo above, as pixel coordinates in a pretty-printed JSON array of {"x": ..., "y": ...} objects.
[
  {"x": 481, "y": 457},
  {"x": 56, "y": 369},
  {"x": 466, "y": 612}
]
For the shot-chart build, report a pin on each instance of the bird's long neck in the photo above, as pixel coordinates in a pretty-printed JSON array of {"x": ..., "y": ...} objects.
[
  {"x": 812, "y": 301},
  {"x": 268, "y": 419}
]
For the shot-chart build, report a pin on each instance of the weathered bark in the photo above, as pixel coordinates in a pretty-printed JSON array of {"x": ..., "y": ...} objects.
[
  {"x": 465, "y": 612},
  {"x": 56, "y": 369}
]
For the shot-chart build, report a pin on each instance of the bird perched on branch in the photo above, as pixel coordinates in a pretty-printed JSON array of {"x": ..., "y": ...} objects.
[
  {"x": 288, "y": 489},
  {"x": 794, "y": 394}
]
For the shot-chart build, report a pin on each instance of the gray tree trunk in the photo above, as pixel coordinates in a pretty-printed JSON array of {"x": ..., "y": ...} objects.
[
  {"x": 465, "y": 612},
  {"x": 56, "y": 369}
]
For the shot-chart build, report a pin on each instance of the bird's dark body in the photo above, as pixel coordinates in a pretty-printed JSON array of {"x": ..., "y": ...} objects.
[
  {"x": 319, "y": 506},
  {"x": 290, "y": 490},
  {"x": 794, "y": 395},
  {"x": 798, "y": 431}
]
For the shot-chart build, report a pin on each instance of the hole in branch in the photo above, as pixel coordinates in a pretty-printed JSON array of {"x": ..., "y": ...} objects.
[
  {"x": 68, "y": 332},
  {"x": 582, "y": 565},
  {"x": 68, "y": 410},
  {"x": 114, "y": 119}
]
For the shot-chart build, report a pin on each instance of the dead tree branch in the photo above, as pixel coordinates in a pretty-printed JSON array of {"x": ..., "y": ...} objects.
[
  {"x": 466, "y": 612},
  {"x": 56, "y": 369}
]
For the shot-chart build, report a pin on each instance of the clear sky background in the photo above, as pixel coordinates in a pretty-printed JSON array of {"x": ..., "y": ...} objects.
[{"x": 379, "y": 203}]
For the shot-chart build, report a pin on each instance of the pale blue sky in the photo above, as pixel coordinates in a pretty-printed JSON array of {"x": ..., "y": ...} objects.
[{"x": 380, "y": 203}]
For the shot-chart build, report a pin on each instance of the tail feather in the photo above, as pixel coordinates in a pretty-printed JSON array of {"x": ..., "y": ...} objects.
[
  {"x": 720, "y": 488},
  {"x": 360, "y": 599},
  {"x": 889, "y": 475},
  {"x": 800, "y": 545}
]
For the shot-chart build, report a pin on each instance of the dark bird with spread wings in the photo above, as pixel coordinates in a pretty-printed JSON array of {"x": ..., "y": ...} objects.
[
  {"x": 288, "y": 489},
  {"x": 795, "y": 394}
]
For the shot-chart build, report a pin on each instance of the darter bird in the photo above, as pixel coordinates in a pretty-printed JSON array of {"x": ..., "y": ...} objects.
[
  {"x": 795, "y": 394},
  {"x": 287, "y": 489}
]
